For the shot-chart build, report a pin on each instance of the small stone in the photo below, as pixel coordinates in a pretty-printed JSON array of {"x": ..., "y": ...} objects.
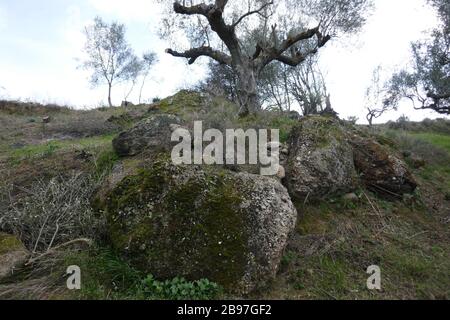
[
  {"x": 351, "y": 197},
  {"x": 281, "y": 174}
]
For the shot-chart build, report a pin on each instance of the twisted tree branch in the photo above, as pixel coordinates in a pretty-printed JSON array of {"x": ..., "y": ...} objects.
[{"x": 194, "y": 54}]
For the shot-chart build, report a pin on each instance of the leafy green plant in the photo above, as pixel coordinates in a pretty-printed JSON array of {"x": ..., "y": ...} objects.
[
  {"x": 180, "y": 289},
  {"x": 50, "y": 149}
]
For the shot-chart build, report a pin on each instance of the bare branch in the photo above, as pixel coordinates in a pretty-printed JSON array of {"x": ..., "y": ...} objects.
[
  {"x": 258, "y": 11},
  {"x": 194, "y": 54},
  {"x": 214, "y": 14},
  {"x": 277, "y": 53},
  {"x": 202, "y": 9}
]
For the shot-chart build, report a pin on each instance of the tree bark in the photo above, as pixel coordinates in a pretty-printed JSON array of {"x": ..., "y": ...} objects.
[
  {"x": 109, "y": 95},
  {"x": 247, "y": 90}
]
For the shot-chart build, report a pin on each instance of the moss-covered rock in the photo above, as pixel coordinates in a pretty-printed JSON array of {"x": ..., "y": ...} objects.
[
  {"x": 153, "y": 133},
  {"x": 184, "y": 101},
  {"x": 12, "y": 254},
  {"x": 320, "y": 160},
  {"x": 200, "y": 223}
]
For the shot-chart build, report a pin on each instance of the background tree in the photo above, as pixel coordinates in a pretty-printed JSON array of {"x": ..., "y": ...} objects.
[
  {"x": 3, "y": 91},
  {"x": 220, "y": 81},
  {"x": 279, "y": 31},
  {"x": 135, "y": 70},
  {"x": 280, "y": 86},
  {"x": 148, "y": 59},
  {"x": 285, "y": 87},
  {"x": 375, "y": 102},
  {"x": 109, "y": 56},
  {"x": 427, "y": 82},
  {"x": 307, "y": 86},
  {"x": 273, "y": 87}
]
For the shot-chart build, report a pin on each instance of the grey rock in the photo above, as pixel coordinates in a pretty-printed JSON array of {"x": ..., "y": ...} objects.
[
  {"x": 153, "y": 133},
  {"x": 199, "y": 222},
  {"x": 320, "y": 161}
]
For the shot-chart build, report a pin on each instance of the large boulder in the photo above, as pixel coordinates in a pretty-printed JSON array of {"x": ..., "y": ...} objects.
[
  {"x": 320, "y": 160},
  {"x": 152, "y": 133},
  {"x": 200, "y": 222},
  {"x": 381, "y": 170},
  {"x": 12, "y": 254}
]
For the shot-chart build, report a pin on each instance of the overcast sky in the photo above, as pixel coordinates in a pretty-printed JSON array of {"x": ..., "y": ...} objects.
[{"x": 41, "y": 40}]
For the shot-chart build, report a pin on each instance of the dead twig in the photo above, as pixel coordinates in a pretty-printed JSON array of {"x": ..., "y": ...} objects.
[{"x": 51, "y": 251}]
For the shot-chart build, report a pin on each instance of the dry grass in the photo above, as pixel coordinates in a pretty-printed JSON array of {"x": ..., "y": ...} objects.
[{"x": 52, "y": 213}]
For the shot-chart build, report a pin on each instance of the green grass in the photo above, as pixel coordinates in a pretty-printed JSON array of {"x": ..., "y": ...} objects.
[
  {"x": 105, "y": 160},
  {"x": 51, "y": 147},
  {"x": 338, "y": 242},
  {"x": 436, "y": 172},
  {"x": 104, "y": 275},
  {"x": 434, "y": 148},
  {"x": 439, "y": 140}
]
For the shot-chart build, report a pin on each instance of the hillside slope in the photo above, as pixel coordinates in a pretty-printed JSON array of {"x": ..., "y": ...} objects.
[{"x": 49, "y": 165}]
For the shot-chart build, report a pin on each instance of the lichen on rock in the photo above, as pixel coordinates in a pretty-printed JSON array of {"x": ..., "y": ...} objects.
[
  {"x": 199, "y": 222},
  {"x": 320, "y": 160}
]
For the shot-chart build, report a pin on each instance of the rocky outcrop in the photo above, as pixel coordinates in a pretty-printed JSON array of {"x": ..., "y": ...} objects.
[
  {"x": 152, "y": 133},
  {"x": 320, "y": 160},
  {"x": 327, "y": 157},
  {"x": 381, "y": 170},
  {"x": 12, "y": 254},
  {"x": 200, "y": 222}
]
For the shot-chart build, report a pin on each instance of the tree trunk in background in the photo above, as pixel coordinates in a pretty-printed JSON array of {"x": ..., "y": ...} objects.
[
  {"x": 142, "y": 87},
  {"x": 109, "y": 95}
]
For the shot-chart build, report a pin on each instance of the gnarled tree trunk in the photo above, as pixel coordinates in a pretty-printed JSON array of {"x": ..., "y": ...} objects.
[
  {"x": 247, "y": 90},
  {"x": 247, "y": 68}
]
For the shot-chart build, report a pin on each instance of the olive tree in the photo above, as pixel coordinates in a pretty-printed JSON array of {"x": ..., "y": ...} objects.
[
  {"x": 426, "y": 83},
  {"x": 109, "y": 57},
  {"x": 287, "y": 31},
  {"x": 284, "y": 87},
  {"x": 307, "y": 86}
]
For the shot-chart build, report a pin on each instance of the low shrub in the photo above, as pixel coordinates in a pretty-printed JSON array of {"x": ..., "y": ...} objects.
[{"x": 53, "y": 213}]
